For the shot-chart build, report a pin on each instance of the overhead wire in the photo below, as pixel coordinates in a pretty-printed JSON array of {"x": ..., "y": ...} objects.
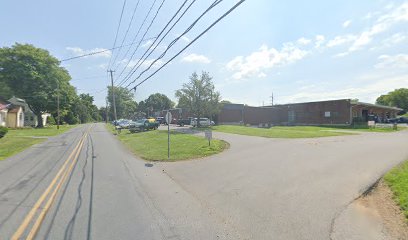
[
  {"x": 137, "y": 34},
  {"x": 126, "y": 33},
  {"x": 215, "y": 3},
  {"x": 117, "y": 30},
  {"x": 188, "y": 45},
  {"x": 164, "y": 28},
  {"x": 102, "y": 51}
]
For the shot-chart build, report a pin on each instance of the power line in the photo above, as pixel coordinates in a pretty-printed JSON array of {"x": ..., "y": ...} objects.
[
  {"x": 215, "y": 3},
  {"x": 117, "y": 30},
  {"x": 126, "y": 33},
  {"x": 102, "y": 51},
  {"x": 162, "y": 38},
  {"x": 188, "y": 45},
  {"x": 134, "y": 39}
]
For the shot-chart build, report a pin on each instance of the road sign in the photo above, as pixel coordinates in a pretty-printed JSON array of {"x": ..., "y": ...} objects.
[
  {"x": 168, "y": 117},
  {"x": 208, "y": 135}
]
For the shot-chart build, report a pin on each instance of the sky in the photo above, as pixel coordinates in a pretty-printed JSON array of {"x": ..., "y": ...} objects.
[{"x": 298, "y": 50}]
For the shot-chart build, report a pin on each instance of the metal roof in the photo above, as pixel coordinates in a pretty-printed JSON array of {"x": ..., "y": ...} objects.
[{"x": 376, "y": 105}]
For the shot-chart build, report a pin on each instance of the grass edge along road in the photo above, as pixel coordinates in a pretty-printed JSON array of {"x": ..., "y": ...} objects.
[
  {"x": 397, "y": 181},
  {"x": 152, "y": 145},
  {"x": 280, "y": 132},
  {"x": 295, "y": 131},
  {"x": 49, "y": 192},
  {"x": 17, "y": 140}
]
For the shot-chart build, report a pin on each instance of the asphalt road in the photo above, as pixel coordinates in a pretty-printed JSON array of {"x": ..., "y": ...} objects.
[{"x": 258, "y": 189}]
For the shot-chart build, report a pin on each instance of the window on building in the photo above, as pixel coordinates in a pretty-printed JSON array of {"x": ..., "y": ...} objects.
[{"x": 327, "y": 114}]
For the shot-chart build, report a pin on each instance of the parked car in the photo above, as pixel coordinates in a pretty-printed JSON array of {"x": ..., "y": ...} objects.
[
  {"x": 204, "y": 122},
  {"x": 160, "y": 120},
  {"x": 143, "y": 125},
  {"x": 402, "y": 120},
  {"x": 124, "y": 123},
  {"x": 182, "y": 122}
]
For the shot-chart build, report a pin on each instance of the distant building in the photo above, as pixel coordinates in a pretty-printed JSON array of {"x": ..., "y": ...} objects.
[
  {"x": 332, "y": 112},
  {"x": 30, "y": 119}
]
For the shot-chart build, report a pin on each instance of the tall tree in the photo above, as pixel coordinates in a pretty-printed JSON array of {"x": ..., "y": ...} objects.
[
  {"x": 33, "y": 74},
  {"x": 155, "y": 102},
  {"x": 199, "y": 96},
  {"x": 125, "y": 105},
  {"x": 396, "y": 98}
]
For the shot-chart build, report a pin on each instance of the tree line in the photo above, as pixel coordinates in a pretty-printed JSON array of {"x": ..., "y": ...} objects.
[{"x": 36, "y": 76}]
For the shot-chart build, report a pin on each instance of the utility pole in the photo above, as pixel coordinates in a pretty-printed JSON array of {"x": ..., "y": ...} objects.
[
  {"x": 58, "y": 105},
  {"x": 271, "y": 99},
  {"x": 113, "y": 96},
  {"x": 106, "y": 111}
]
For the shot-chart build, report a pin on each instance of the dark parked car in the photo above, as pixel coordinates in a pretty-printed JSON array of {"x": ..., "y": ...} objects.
[
  {"x": 143, "y": 125},
  {"x": 160, "y": 120}
]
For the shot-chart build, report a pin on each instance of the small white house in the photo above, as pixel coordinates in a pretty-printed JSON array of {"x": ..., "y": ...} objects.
[{"x": 15, "y": 117}]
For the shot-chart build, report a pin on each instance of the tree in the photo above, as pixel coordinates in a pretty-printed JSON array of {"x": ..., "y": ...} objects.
[
  {"x": 155, "y": 102},
  {"x": 396, "y": 98},
  {"x": 33, "y": 74},
  {"x": 199, "y": 96},
  {"x": 125, "y": 105}
]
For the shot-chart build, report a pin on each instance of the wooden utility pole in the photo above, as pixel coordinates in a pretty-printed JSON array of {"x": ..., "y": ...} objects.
[
  {"x": 113, "y": 96},
  {"x": 58, "y": 105}
]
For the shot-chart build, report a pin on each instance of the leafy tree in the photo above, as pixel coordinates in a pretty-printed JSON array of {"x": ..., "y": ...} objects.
[
  {"x": 33, "y": 74},
  {"x": 396, "y": 98},
  {"x": 155, "y": 102},
  {"x": 199, "y": 96},
  {"x": 125, "y": 105}
]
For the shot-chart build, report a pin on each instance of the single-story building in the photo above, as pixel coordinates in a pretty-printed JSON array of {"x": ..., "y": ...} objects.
[
  {"x": 30, "y": 119},
  {"x": 4, "y": 105},
  {"x": 332, "y": 112},
  {"x": 15, "y": 117}
]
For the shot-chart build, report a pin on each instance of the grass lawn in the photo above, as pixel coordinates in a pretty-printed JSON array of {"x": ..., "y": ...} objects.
[
  {"x": 397, "y": 180},
  {"x": 280, "y": 132},
  {"x": 152, "y": 145},
  {"x": 16, "y": 140},
  {"x": 366, "y": 129}
]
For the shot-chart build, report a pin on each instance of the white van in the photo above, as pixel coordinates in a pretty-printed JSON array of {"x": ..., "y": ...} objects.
[{"x": 204, "y": 122}]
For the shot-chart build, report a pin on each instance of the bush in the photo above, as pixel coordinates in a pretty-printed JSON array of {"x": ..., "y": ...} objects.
[
  {"x": 51, "y": 120},
  {"x": 3, "y": 131}
]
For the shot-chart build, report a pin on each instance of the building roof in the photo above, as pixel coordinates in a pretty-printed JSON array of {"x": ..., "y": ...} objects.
[
  {"x": 20, "y": 102},
  {"x": 233, "y": 106},
  {"x": 376, "y": 105}
]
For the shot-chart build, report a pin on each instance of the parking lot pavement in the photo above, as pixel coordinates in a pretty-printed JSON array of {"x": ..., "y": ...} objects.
[{"x": 287, "y": 188}]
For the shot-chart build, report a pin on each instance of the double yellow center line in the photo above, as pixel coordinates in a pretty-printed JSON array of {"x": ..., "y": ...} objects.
[{"x": 50, "y": 192}]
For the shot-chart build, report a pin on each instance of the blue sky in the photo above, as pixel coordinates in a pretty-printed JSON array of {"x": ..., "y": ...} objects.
[{"x": 308, "y": 51}]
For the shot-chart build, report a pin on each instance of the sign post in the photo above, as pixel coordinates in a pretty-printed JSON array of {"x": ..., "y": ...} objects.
[
  {"x": 208, "y": 135},
  {"x": 168, "y": 120}
]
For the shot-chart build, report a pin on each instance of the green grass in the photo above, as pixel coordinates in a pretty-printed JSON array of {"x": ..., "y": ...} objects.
[
  {"x": 280, "y": 132},
  {"x": 365, "y": 129},
  {"x": 152, "y": 145},
  {"x": 397, "y": 180},
  {"x": 16, "y": 140}
]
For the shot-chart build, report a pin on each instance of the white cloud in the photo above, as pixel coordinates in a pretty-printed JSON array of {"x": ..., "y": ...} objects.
[
  {"x": 262, "y": 75},
  {"x": 396, "y": 61},
  {"x": 346, "y": 23},
  {"x": 77, "y": 51},
  {"x": 382, "y": 24},
  {"x": 147, "y": 44},
  {"x": 303, "y": 41},
  {"x": 264, "y": 58},
  {"x": 340, "y": 40},
  {"x": 196, "y": 58},
  {"x": 395, "y": 39},
  {"x": 367, "y": 93},
  {"x": 186, "y": 39},
  {"x": 319, "y": 40}
]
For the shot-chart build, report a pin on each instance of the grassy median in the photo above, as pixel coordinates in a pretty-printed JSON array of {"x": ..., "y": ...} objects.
[
  {"x": 397, "y": 180},
  {"x": 16, "y": 140},
  {"x": 280, "y": 132},
  {"x": 152, "y": 145}
]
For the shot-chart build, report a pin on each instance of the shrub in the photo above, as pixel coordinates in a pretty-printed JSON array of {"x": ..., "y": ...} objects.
[
  {"x": 3, "y": 131},
  {"x": 51, "y": 120}
]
